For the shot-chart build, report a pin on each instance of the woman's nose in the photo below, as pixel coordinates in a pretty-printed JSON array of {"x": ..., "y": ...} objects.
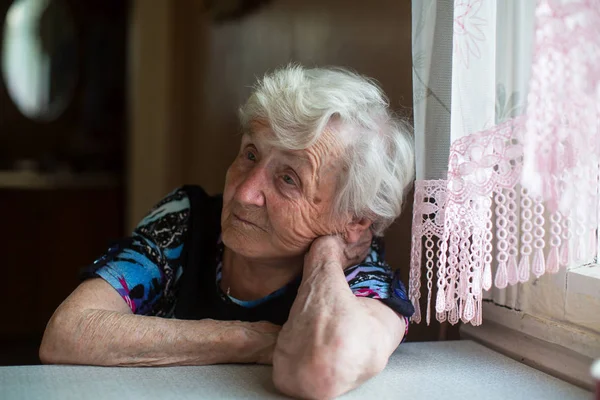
[{"x": 250, "y": 192}]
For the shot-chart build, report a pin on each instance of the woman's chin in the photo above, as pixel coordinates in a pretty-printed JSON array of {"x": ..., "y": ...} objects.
[{"x": 244, "y": 244}]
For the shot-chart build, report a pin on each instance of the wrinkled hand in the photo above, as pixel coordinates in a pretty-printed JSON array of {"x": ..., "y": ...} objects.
[{"x": 335, "y": 248}]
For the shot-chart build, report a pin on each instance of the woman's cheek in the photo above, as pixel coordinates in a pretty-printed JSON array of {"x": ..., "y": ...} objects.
[
  {"x": 304, "y": 228},
  {"x": 229, "y": 189},
  {"x": 232, "y": 179}
]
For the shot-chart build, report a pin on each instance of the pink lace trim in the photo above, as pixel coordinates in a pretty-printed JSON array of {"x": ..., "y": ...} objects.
[
  {"x": 427, "y": 232},
  {"x": 455, "y": 222}
]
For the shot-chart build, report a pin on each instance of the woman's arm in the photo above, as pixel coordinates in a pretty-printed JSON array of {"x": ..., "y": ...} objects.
[
  {"x": 333, "y": 341},
  {"x": 94, "y": 326}
]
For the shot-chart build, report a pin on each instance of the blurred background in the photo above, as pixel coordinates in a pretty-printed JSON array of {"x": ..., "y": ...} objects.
[{"x": 108, "y": 105}]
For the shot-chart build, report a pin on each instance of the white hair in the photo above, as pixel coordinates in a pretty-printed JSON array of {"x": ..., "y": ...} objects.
[{"x": 299, "y": 104}]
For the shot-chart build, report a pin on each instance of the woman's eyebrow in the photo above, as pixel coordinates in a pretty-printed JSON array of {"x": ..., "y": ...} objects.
[{"x": 299, "y": 159}]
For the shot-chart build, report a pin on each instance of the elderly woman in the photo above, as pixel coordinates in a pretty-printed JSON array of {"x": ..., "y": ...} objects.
[{"x": 286, "y": 267}]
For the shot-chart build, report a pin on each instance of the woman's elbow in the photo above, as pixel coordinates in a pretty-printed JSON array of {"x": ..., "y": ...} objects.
[
  {"x": 55, "y": 346},
  {"x": 47, "y": 352},
  {"x": 323, "y": 377},
  {"x": 307, "y": 380}
]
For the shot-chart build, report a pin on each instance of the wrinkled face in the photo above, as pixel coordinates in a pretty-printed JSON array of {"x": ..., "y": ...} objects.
[{"x": 276, "y": 202}]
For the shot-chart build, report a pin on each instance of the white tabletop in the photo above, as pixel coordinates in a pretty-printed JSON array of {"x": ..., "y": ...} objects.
[{"x": 432, "y": 370}]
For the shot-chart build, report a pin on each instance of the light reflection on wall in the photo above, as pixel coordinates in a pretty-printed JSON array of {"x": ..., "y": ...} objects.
[{"x": 25, "y": 65}]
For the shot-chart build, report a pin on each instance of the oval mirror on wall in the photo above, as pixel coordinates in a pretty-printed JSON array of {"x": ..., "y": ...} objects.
[{"x": 39, "y": 57}]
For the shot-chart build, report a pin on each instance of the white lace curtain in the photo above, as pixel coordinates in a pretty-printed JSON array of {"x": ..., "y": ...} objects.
[{"x": 507, "y": 117}]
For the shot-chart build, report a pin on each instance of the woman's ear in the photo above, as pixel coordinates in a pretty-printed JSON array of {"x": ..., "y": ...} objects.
[{"x": 356, "y": 229}]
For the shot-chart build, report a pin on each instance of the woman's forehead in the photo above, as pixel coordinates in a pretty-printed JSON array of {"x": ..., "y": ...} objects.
[
  {"x": 327, "y": 146},
  {"x": 258, "y": 126},
  {"x": 261, "y": 132}
]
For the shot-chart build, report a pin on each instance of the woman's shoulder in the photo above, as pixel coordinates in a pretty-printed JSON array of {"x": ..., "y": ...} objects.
[
  {"x": 174, "y": 206},
  {"x": 198, "y": 197},
  {"x": 173, "y": 212}
]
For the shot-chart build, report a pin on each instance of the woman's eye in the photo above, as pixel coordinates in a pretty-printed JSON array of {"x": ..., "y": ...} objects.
[
  {"x": 289, "y": 180},
  {"x": 250, "y": 156}
]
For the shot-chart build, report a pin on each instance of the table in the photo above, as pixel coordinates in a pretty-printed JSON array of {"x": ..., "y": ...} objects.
[{"x": 429, "y": 370}]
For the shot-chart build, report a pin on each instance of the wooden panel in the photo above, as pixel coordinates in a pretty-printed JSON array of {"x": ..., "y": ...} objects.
[
  {"x": 47, "y": 236},
  {"x": 18, "y": 236}
]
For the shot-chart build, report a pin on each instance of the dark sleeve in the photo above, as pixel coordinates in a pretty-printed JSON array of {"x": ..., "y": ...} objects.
[{"x": 145, "y": 267}]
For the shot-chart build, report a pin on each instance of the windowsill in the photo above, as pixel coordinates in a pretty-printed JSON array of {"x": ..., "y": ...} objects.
[
  {"x": 582, "y": 300},
  {"x": 585, "y": 279},
  {"x": 559, "y": 349}
]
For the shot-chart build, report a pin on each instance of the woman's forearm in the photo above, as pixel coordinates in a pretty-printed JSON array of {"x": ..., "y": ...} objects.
[
  {"x": 109, "y": 338},
  {"x": 327, "y": 347}
]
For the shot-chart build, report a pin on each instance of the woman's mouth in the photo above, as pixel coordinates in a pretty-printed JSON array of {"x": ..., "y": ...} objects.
[{"x": 245, "y": 221}]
